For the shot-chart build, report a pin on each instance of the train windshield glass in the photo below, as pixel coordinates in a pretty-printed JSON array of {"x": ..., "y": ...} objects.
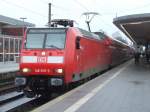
[
  {"x": 45, "y": 38},
  {"x": 35, "y": 41},
  {"x": 55, "y": 41}
]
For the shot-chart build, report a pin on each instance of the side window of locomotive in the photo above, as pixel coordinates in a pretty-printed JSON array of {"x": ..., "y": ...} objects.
[
  {"x": 89, "y": 34},
  {"x": 86, "y": 33},
  {"x": 101, "y": 35},
  {"x": 34, "y": 41},
  {"x": 55, "y": 40}
]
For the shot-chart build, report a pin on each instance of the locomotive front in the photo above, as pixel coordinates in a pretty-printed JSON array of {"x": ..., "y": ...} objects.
[{"x": 42, "y": 60}]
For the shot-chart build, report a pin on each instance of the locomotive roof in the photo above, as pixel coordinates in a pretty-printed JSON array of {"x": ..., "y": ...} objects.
[
  {"x": 47, "y": 28},
  {"x": 94, "y": 35},
  {"x": 83, "y": 32},
  {"x": 33, "y": 30}
]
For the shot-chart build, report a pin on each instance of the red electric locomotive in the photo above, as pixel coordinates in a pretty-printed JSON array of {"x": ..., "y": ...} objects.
[{"x": 56, "y": 57}]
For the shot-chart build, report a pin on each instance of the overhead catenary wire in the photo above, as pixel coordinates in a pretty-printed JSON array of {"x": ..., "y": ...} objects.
[
  {"x": 136, "y": 8},
  {"x": 61, "y": 8},
  {"x": 44, "y": 1},
  {"x": 65, "y": 9},
  {"x": 56, "y": 6},
  {"x": 81, "y": 5},
  {"x": 24, "y": 8},
  {"x": 37, "y": 13},
  {"x": 100, "y": 14}
]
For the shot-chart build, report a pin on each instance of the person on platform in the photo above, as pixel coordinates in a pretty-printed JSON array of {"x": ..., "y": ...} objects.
[
  {"x": 137, "y": 54},
  {"x": 147, "y": 52}
]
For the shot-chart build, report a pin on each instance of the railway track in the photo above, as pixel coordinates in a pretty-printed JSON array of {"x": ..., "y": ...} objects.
[
  {"x": 9, "y": 97},
  {"x": 12, "y": 101},
  {"x": 18, "y": 102},
  {"x": 15, "y": 103}
]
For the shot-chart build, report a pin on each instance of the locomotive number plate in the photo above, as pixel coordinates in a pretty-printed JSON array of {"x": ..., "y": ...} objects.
[{"x": 41, "y": 59}]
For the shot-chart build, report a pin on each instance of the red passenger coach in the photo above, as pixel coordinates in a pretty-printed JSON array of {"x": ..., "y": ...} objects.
[{"x": 56, "y": 57}]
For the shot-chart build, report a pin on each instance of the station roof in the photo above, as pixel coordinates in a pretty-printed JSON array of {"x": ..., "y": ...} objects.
[
  {"x": 136, "y": 27},
  {"x": 7, "y": 21}
]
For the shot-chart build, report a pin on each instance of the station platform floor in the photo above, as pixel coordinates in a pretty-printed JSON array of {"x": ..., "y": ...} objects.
[
  {"x": 8, "y": 67},
  {"x": 125, "y": 88}
]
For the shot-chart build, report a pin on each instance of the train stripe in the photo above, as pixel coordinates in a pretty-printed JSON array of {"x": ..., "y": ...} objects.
[
  {"x": 50, "y": 59},
  {"x": 55, "y": 59},
  {"x": 29, "y": 59}
]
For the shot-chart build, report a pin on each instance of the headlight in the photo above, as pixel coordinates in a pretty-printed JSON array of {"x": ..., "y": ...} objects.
[
  {"x": 26, "y": 70},
  {"x": 59, "y": 70}
]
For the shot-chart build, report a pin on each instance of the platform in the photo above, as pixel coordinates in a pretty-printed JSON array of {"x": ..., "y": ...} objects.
[
  {"x": 125, "y": 88},
  {"x": 8, "y": 67}
]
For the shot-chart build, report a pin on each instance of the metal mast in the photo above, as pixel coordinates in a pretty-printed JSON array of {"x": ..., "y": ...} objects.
[{"x": 49, "y": 15}]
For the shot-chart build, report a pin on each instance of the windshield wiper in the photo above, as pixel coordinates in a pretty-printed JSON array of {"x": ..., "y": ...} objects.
[{"x": 53, "y": 46}]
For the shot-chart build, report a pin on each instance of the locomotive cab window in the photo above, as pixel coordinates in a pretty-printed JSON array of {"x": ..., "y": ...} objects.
[
  {"x": 45, "y": 38},
  {"x": 101, "y": 35},
  {"x": 34, "y": 41},
  {"x": 55, "y": 41}
]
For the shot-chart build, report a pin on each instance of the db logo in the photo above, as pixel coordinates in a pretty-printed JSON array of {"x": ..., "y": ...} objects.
[{"x": 41, "y": 60}]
